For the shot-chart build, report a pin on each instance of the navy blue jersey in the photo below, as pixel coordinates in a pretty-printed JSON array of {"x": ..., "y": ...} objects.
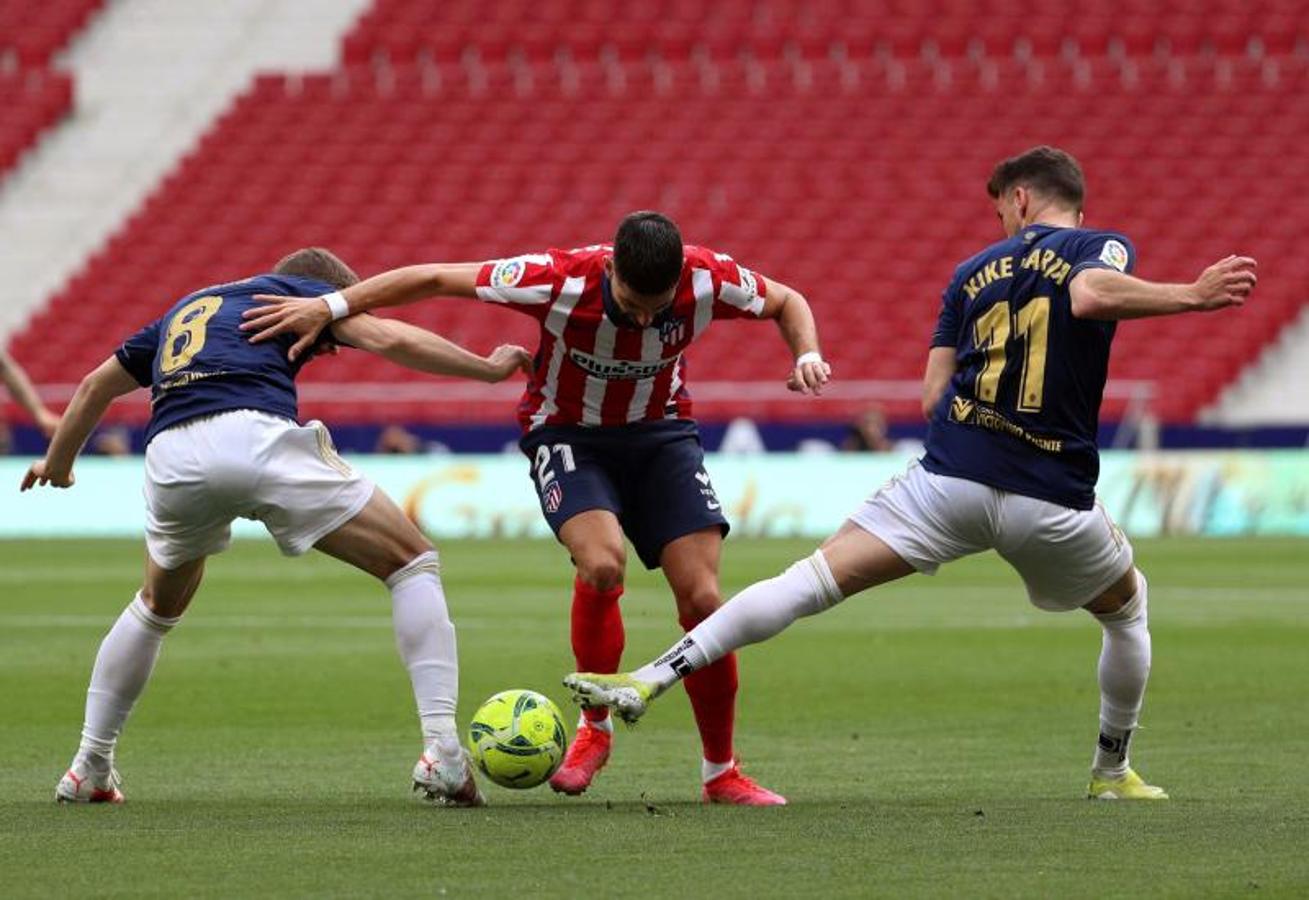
[
  {"x": 1023, "y": 407},
  {"x": 197, "y": 362}
]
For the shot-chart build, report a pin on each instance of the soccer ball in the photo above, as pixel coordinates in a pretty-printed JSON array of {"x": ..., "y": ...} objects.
[{"x": 517, "y": 738}]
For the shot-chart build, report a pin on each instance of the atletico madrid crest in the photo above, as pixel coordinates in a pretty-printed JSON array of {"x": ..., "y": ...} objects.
[
  {"x": 672, "y": 331},
  {"x": 554, "y": 495}
]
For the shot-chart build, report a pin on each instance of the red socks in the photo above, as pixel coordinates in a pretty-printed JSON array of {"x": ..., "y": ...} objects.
[
  {"x": 598, "y": 636},
  {"x": 713, "y": 700}
]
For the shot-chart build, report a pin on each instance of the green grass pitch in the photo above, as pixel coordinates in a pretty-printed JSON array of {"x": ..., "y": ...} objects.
[{"x": 933, "y": 738}]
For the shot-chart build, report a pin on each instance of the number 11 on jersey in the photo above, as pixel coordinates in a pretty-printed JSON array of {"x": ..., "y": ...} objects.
[{"x": 991, "y": 333}]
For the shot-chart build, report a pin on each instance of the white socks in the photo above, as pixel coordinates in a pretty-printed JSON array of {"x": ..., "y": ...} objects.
[
  {"x": 426, "y": 641},
  {"x": 423, "y": 635},
  {"x": 711, "y": 770},
  {"x": 606, "y": 724},
  {"x": 1124, "y": 669},
  {"x": 756, "y": 614},
  {"x": 122, "y": 668}
]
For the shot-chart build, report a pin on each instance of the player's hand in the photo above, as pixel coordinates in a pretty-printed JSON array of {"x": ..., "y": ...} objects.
[
  {"x": 507, "y": 359},
  {"x": 48, "y": 422},
  {"x": 809, "y": 377},
  {"x": 1227, "y": 282},
  {"x": 41, "y": 473},
  {"x": 305, "y": 317}
]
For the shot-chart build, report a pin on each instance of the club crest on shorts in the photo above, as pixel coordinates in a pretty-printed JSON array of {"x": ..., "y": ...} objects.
[{"x": 553, "y": 497}]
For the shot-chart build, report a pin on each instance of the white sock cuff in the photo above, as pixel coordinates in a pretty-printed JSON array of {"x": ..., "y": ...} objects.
[
  {"x": 816, "y": 567},
  {"x": 149, "y": 619},
  {"x": 423, "y": 562}
]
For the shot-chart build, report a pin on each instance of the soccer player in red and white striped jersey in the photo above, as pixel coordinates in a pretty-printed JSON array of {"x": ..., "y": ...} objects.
[{"x": 607, "y": 426}]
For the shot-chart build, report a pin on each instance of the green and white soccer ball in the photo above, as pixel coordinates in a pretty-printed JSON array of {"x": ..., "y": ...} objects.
[{"x": 517, "y": 738}]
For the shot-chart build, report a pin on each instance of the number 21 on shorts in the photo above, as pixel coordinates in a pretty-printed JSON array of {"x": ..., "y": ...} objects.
[{"x": 544, "y": 473}]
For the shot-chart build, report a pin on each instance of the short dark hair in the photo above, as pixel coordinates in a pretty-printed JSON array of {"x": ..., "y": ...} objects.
[
  {"x": 319, "y": 264},
  {"x": 1046, "y": 170},
  {"x": 648, "y": 252}
]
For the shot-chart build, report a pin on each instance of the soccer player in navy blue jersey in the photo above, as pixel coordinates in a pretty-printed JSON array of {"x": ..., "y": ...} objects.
[
  {"x": 224, "y": 441},
  {"x": 1012, "y": 392}
]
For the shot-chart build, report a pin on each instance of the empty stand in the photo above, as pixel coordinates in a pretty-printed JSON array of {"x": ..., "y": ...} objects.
[
  {"x": 846, "y": 157},
  {"x": 33, "y": 31},
  {"x": 33, "y": 100}
]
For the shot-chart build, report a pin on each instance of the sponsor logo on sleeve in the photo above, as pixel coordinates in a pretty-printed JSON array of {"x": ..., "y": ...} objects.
[
  {"x": 507, "y": 273},
  {"x": 1114, "y": 254}
]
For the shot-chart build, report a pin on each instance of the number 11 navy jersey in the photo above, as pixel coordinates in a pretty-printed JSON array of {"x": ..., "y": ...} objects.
[
  {"x": 197, "y": 362},
  {"x": 1022, "y": 410}
]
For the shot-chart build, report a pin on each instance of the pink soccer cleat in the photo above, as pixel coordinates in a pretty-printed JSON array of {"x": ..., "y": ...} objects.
[
  {"x": 738, "y": 789},
  {"x": 586, "y": 756}
]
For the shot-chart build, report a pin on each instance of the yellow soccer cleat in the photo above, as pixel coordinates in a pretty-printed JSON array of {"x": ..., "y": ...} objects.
[
  {"x": 623, "y": 694},
  {"x": 1128, "y": 786}
]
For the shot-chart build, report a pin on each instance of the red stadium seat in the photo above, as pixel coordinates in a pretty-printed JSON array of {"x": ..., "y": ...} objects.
[{"x": 844, "y": 154}]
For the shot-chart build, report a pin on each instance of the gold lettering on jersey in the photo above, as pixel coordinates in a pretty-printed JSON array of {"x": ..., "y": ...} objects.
[
  {"x": 967, "y": 412},
  {"x": 1048, "y": 263},
  {"x": 993, "y": 271},
  {"x": 184, "y": 379}
]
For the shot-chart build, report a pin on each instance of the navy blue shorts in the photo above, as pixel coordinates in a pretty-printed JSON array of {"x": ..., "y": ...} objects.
[{"x": 649, "y": 474}]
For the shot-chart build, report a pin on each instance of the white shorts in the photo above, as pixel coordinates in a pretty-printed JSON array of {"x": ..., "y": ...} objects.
[
  {"x": 1066, "y": 557},
  {"x": 202, "y": 474}
]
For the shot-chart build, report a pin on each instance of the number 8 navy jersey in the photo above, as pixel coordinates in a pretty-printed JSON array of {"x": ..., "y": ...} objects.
[
  {"x": 197, "y": 362},
  {"x": 1022, "y": 409}
]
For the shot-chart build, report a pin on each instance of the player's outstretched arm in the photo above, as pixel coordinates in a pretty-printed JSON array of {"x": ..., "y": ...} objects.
[
  {"x": 21, "y": 389},
  {"x": 306, "y": 318},
  {"x": 1108, "y": 295},
  {"x": 795, "y": 320},
  {"x": 97, "y": 390},
  {"x": 941, "y": 367},
  {"x": 419, "y": 349}
]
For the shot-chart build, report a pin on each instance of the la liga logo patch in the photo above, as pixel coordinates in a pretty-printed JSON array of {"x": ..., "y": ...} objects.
[
  {"x": 1114, "y": 254},
  {"x": 507, "y": 273}
]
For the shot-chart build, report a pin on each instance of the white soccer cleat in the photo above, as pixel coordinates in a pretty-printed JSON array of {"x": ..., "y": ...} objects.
[
  {"x": 447, "y": 784},
  {"x": 84, "y": 783},
  {"x": 626, "y": 697}
]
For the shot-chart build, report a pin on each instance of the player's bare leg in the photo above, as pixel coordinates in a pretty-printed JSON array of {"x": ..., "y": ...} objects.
[
  {"x": 594, "y": 540},
  {"x": 382, "y": 541},
  {"x": 850, "y": 561},
  {"x": 1124, "y": 668},
  {"x": 122, "y": 669},
  {"x": 690, "y": 563}
]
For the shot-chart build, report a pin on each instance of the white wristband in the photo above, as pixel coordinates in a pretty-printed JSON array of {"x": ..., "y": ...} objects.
[
  {"x": 337, "y": 305},
  {"x": 811, "y": 356}
]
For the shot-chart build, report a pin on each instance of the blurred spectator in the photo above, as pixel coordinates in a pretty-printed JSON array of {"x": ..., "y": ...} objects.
[
  {"x": 868, "y": 433},
  {"x": 20, "y": 387},
  {"x": 116, "y": 441},
  {"x": 742, "y": 438},
  {"x": 398, "y": 439}
]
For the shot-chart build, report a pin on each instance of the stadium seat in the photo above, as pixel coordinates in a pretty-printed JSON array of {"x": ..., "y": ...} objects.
[{"x": 845, "y": 155}]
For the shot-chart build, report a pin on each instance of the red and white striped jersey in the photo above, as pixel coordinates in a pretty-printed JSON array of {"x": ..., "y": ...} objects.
[{"x": 594, "y": 368}]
